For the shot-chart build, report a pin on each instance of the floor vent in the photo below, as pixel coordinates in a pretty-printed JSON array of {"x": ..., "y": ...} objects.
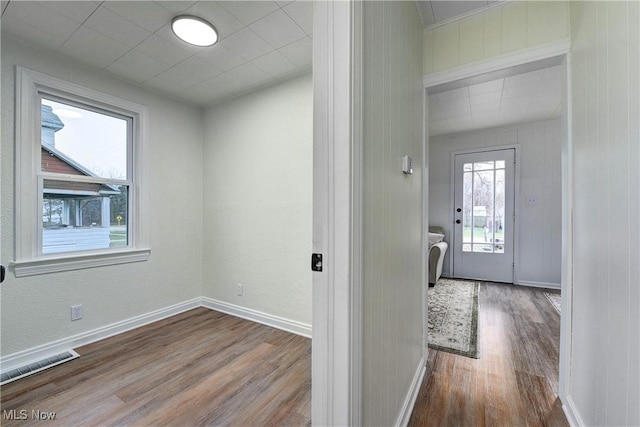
[{"x": 40, "y": 365}]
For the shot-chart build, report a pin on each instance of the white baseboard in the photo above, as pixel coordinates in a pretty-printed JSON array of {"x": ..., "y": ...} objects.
[
  {"x": 31, "y": 355},
  {"x": 295, "y": 327},
  {"x": 539, "y": 284},
  {"x": 571, "y": 413},
  {"x": 412, "y": 395}
]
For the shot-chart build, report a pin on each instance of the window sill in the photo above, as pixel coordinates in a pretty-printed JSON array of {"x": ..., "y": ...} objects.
[{"x": 69, "y": 262}]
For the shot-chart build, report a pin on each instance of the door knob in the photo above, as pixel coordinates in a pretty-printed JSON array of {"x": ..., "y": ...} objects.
[
  {"x": 458, "y": 210},
  {"x": 457, "y": 221}
]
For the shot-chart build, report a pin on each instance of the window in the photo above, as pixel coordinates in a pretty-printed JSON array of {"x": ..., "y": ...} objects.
[{"x": 80, "y": 183}]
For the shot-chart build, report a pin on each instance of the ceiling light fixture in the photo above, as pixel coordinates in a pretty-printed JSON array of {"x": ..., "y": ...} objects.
[{"x": 194, "y": 30}]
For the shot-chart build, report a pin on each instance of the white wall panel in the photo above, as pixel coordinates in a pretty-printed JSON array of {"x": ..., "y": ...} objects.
[
  {"x": 539, "y": 236},
  {"x": 35, "y": 309},
  {"x": 258, "y": 200},
  {"x": 508, "y": 27},
  {"x": 392, "y": 206},
  {"x": 605, "y": 375}
]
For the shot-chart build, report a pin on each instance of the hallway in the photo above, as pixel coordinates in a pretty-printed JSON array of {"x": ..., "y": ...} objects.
[{"x": 515, "y": 380}]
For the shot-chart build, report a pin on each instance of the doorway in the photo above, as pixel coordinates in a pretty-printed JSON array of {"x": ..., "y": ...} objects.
[
  {"x": 442, "y": 85},
  {"x": 483, "y": 230}
]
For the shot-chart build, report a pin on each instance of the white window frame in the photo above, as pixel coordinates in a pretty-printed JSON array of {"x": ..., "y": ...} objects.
[{"x": 30, "y": 87}]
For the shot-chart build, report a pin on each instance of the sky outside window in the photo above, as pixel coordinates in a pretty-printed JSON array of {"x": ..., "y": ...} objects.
[{"x": 96, "y": 141}]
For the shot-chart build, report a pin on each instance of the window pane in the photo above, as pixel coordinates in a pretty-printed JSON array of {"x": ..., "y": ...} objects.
[
  {"x": 79, "y": 141},
  {"x": 467, "y": 167},
  {"x": 483, "y": 248},
  {"x": 78, "y": 216},
  {"x": 467, "y": 202},
  {"x": 482, "y": 166},
  {"x": 500, "y": 164}
]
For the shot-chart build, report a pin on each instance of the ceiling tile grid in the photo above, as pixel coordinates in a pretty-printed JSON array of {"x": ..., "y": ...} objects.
[
  {"x": 519, "y": 98},
  {"x": 260, "y": 42}
]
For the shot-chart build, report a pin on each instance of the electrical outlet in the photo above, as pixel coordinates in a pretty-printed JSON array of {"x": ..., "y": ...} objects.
[
  {"x": 239, "y": 290},
  {"x": 76, "y": 312}
]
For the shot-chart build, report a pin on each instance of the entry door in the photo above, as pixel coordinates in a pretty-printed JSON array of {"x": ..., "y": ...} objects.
[{"x": 484, "y": 215}]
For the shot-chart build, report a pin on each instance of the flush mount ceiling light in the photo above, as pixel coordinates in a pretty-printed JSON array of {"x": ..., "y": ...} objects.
[{"x": 194, "y": 30}]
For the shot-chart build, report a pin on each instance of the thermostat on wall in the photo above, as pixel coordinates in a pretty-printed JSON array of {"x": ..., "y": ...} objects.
[{"x": 407, "y": 165}]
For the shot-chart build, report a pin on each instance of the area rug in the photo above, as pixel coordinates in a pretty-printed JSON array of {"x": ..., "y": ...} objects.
[
  {"x": 555, "y": 300},
  {"x": 452, "y": 320}
]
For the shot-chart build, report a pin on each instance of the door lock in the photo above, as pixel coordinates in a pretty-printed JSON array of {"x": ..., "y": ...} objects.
[{"x": 458, "y": 221}]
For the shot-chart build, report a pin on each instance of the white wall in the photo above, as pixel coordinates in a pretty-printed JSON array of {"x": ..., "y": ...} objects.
[
  {"x": 36, "y": 309},
  {"x": 605, "y": 368},
  {"x": 392, "y": 279},
  {"x": 258, "y": 200},
  {"x": 539, "y": 237},
  {"x": 496, "y": 31}
]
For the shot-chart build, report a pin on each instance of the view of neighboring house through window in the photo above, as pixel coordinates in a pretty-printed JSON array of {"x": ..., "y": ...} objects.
[{"x": 84, "y": 177}]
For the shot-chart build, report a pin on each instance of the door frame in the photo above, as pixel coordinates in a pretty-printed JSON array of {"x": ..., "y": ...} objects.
[
  {"x": 561, "y": 48},
  {"x": 516, "y": 197}
]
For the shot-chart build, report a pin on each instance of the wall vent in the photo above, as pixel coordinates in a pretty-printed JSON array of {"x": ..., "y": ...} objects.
[{"x": 40, "y": 365}]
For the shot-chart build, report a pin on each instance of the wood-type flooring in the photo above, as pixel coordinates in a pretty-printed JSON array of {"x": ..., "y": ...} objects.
[
  {"x": 515, "y": 380},
  {"x": 201, "y": 367}
]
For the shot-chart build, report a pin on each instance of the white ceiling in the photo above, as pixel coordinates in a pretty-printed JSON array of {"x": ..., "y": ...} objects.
[
  {"x": 518, "y": 98},
  {"x": 261, "y": 42},
  {"x": 437, "y": 11}
]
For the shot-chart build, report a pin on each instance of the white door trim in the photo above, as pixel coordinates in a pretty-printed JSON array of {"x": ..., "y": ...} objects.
[
  {"x": 336, "y": 340},
  {"x": 516, "y": 197},
  {"x": 559, "y": 48}
]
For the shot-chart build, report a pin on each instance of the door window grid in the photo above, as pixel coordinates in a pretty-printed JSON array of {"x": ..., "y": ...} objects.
[{"x": 483, "y": 207}]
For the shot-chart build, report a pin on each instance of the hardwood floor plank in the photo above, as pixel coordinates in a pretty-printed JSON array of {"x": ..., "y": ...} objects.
[
  {"x": 197, "y": 368},
  {"x": 515, "y": 380}
]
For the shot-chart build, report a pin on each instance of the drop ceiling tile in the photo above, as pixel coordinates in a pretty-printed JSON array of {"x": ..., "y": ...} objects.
[
  {"x": 118, "y": 28},
  {"x": 148, "y": 15},
  {"x": 299, "y": 52},
  {"x": 33, "y": 14},
  {"x": 486, "y": 98},
  {"x": 520, "y": 91},
  {"x": 137, "y": 66},
  {"x": 31, "y": 34},
  {"x": 490, "y": 107},
  {"x": 225, "y": 22},
  {"x": 523, "y": 79},
  {"x": 221, "y": 57},
  {"x": 165, "y": 51},
  {"x": 451, "y": 95},
  {"x": 249, "y": 11},
  {"x": 246, "y": 44},
  {"x": 250, "y": 75},
  {"x": 79, "y": 11},
  {"x": 283, "y": 3},
  {"x": 302, "y": 13},
  {"x": 275, "y": 64},
  {"x": 186, "y": 74},
  {"x": 93, "y": 48},
  {"x": 3, "y": 5},
  {"x": 278, "y": 29},
  {"x": 175, "y": 6},
  {"x": 210, "y": 92},
  {"x": 552, "y": 73},
  {"x": 494, "y": 85}
]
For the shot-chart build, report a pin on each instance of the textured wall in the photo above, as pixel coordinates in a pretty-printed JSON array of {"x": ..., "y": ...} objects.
[
  {"x": 258, "y": 200},
  {"x": 539, "y": 226},
  {"x": 605, "y": 369},
  {"x": 499, "y": 30},
  {"x": 35, "y": 310},
  {"x": 392, "y": 207}
]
